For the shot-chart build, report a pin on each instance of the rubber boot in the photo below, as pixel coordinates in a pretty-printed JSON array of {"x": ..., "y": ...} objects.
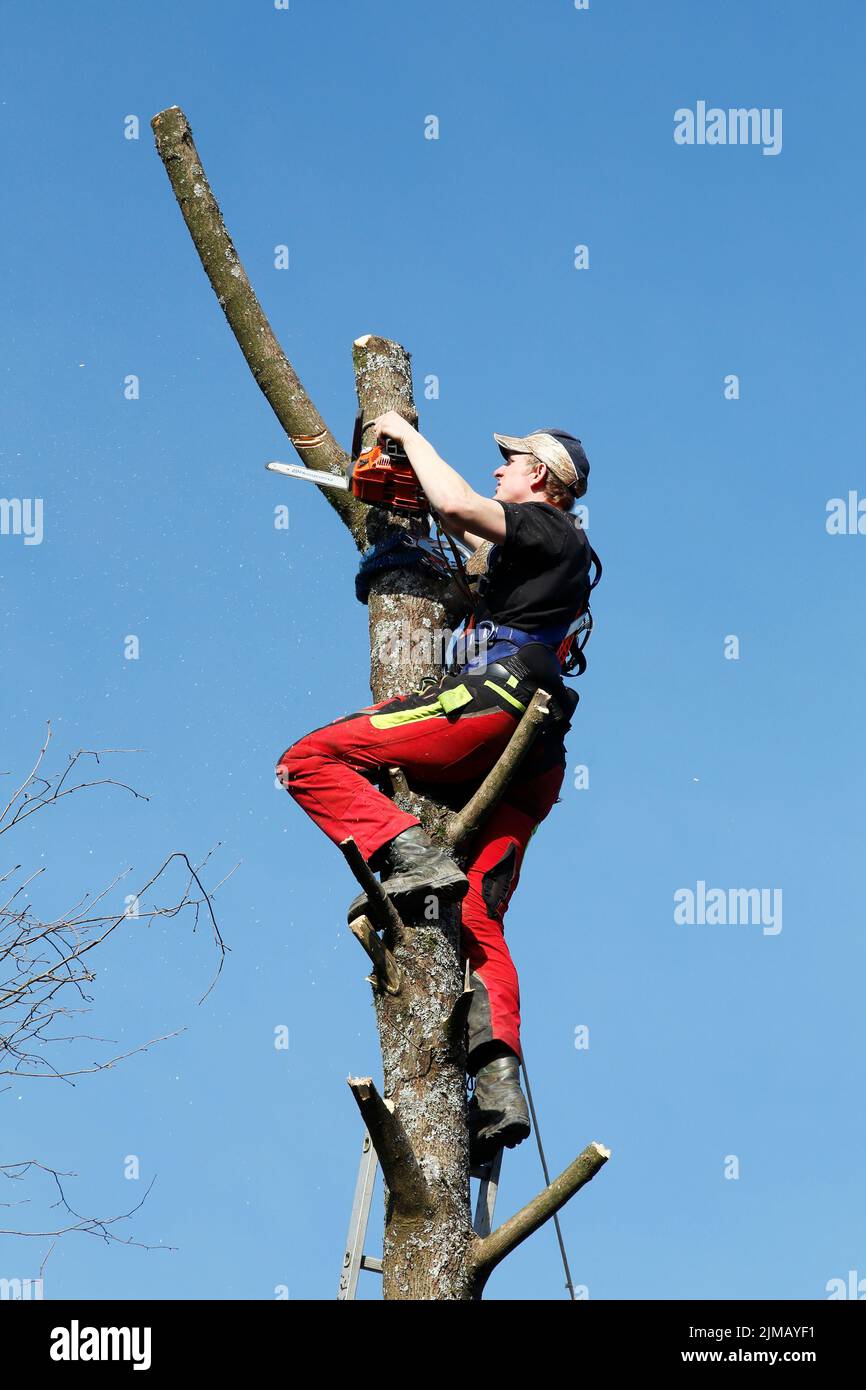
[
  {"x": 412, "y": 864},
  {"x": 498, "y": 1114}
]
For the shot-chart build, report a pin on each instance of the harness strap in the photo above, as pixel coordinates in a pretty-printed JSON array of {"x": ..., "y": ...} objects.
[
  {"x": 397, "y": 552},
  {"x": 567, "y": 640}
]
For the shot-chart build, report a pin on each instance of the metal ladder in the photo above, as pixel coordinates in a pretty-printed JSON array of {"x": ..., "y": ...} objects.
[{"x": 354, "y": 1259}]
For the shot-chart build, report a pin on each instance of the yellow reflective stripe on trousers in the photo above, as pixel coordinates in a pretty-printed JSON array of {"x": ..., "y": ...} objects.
[
  {"x": 455, "y": 697},
  {"x": 447, "y": 700},
  {"x": 403, "y": 716},
  {"x": 505, "y": 695}
]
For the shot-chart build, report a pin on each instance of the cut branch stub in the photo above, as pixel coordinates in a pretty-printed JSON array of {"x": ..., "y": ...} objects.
[
  {"x": 387, "y": 972},
  {"x": 399, "y": 782},
  {"x": 379, "y": 906},
  {"x": 455, "y": 1024},
  {"x": 406, "y": 1183}
]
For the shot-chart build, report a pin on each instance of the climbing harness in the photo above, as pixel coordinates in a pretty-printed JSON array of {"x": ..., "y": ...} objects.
[
  {"x": 480, "y": 640},
  {"x": 385, "y": 478}
]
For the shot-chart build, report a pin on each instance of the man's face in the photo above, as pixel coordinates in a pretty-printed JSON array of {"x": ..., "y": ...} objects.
[{"x": 514, "y": 478}]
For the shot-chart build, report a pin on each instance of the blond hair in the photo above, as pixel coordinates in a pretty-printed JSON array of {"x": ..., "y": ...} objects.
[{"x": 555, "y": 491}]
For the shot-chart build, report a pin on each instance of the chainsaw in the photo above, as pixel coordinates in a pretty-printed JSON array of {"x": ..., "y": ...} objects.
[{"x": 382, "y": 477}]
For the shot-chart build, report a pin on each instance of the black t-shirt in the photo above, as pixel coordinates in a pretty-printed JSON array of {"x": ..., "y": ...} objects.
[{"x": 538, "y": 577}]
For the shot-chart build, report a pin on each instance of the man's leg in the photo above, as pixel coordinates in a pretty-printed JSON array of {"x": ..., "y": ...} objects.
[
  {"x": 493, "y": 873},
  {"x": 498, "y": 1113},
  {"x": 330, "y": 771}
]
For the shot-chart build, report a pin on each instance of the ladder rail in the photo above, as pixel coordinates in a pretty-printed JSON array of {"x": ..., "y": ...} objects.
[
  {"x": 488, "y": 1190},
  {"x": 354, "y": 1259}
]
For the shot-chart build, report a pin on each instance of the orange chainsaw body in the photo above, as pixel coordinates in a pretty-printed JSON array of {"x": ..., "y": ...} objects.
[{"x": 387, "y": 480}]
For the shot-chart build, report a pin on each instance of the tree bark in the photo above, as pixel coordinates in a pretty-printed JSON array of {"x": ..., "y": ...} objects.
[
  {"x": 266, "y": 360},
  {"x": 418, "y": 1125}
]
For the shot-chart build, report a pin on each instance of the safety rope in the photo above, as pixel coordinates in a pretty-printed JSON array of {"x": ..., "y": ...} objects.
[
  {"x": 460, "y": 574},
  {"x": 470, "y": 1088},
  {"x": 568, "y": 1284}
]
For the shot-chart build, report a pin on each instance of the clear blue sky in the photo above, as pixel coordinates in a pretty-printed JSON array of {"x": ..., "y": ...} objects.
[{"x": 556, "y": 128}]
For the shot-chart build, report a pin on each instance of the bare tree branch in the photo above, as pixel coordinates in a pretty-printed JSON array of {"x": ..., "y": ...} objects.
[
  {"x": 86, "y": 1225},
  {"x": 53, "y": 1074},
  {"x": 268, "y": 363},
  {"x": 379, "y": 906},
  {"x": 406, "y": 1182},
  {"x": 35, "y": 793},
  {"x": 15, "y": 795},
  {"x": 466, "y": 822},
  {"x": 42, "y": 962},
  {"x": 487, "y": 1253}
]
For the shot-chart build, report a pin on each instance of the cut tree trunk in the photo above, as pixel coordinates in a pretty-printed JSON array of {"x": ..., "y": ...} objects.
[{"x": 418, "y": 1124}]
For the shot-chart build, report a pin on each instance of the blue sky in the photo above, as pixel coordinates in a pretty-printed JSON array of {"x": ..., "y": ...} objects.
[{"x": 556, "y": 129}]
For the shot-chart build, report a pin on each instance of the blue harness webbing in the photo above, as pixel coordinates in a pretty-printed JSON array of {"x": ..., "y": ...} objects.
[{"x": 489, "y": 641}]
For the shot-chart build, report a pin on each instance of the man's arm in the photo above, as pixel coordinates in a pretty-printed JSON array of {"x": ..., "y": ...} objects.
[
  {"x": 466, "y": 536},
  {"x": 458, "y": 531},
  {"x": 463, "y": 511}
]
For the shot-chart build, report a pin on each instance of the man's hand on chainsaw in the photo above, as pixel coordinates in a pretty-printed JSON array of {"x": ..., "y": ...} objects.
[
  {"x": 463, "y": 510},
  {"x": 393, "y": 425}
]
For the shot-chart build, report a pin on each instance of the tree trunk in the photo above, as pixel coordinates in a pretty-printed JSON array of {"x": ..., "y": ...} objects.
[{"x": 419, "y": 1123}]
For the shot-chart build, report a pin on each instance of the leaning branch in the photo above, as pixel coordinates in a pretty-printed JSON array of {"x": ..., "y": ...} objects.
[
  {"x": 406, "y": 1183},
  {"x": 487, "y": 1253},
  {"x": 467, "y": 821},
  {"x": 265, "y": 358}
]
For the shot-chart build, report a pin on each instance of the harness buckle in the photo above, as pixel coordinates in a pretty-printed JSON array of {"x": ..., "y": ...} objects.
[{"x": 470, "y": 645}]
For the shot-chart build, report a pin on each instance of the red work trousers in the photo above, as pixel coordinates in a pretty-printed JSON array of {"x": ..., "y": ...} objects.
[{"x": 330, "y": 774}]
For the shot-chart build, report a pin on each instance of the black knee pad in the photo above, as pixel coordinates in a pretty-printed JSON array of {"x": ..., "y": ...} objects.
[{"x": 496, "y": 884}]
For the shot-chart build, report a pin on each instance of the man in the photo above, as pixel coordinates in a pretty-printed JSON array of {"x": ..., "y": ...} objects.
[{"x": 450, "y": 733}]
